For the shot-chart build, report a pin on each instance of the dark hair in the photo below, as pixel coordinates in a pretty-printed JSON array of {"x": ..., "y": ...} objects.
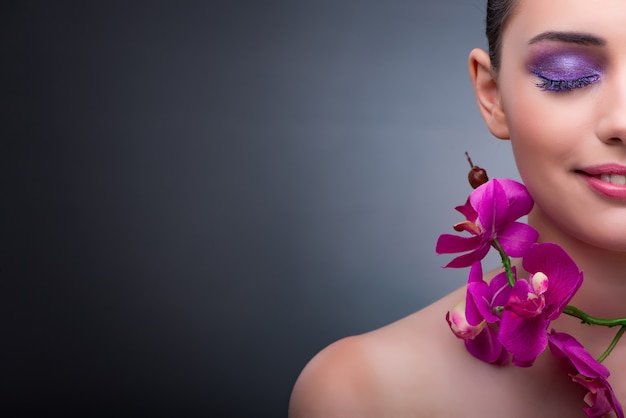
[{"x": 498, "y": 14}]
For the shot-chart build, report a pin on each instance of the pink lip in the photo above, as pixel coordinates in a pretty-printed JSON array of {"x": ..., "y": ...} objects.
[
  {"x": 596, "y": 170},
  {"x": 590, "y": 175}
]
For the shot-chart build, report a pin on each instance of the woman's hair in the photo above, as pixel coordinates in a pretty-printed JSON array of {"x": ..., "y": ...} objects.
[{"x": 498, "y": 14}]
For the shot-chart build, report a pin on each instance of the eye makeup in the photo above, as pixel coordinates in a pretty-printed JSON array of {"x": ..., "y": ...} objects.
[{"x": 564, "y": 69}]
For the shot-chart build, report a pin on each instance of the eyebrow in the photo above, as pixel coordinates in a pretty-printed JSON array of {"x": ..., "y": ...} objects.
[{"x": 579, "y": 38}]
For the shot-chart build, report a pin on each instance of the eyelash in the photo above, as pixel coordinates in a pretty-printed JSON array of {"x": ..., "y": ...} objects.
[{"x": 548, "y": 84}]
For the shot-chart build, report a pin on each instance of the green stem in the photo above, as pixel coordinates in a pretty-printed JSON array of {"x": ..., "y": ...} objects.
[
  {"x": 612, "y": 345},
  {"x": 593, "y": 320},
  {"x": 506, "y": 262}
]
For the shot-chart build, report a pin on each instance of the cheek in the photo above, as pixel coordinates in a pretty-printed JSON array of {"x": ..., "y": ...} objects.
[
  {"x": 534, "y": 135},
  {"x": 543, "y": 128}
]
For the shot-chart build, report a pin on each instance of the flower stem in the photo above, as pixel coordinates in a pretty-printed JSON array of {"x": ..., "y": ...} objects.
[
  {"x": 506, "y": 262},
  {"x": 593, "y": 320},
  {"x": 612, "y": 345}
]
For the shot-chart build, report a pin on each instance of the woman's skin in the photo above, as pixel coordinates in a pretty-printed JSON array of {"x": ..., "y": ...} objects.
[{"x": 559, "y": 96}]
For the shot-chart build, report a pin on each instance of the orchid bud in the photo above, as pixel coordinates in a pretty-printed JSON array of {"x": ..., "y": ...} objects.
[
  {"x": 477, "y": 175},
  {"x": 457, "y": 320}
]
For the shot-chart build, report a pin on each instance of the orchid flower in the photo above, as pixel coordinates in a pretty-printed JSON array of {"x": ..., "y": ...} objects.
[
  {"x": 535, "y": 302},
  {"x": 475, "y": 319},
  {"x": 508, "y": 318},
  {"x": 591, "y": 374},
  {"x": 491, "y": 211}
]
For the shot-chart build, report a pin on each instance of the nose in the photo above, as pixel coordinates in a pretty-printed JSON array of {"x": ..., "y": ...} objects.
[{"x": 611, "y": 126}]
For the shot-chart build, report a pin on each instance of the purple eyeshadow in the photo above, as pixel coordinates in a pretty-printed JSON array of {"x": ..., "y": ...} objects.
[{"x": 564, "y": 65}]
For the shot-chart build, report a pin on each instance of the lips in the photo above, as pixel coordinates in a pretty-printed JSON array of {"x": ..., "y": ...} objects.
[
  {"x": 609, "y": 179},
  {"x": 611, "y": 173}
]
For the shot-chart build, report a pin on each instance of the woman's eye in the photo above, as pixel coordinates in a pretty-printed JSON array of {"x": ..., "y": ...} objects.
[{"x": 548, "y": 84}]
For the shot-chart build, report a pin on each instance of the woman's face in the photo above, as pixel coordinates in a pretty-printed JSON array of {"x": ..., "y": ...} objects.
[{"x": 562, "y": 86}]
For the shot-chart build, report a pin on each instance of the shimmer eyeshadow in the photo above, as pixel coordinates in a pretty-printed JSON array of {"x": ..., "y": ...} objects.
[{"x": 564, "y": 64}]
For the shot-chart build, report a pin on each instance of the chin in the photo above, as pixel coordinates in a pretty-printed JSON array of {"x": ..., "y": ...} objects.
[
  {"x": 609, "y": 242},
  {"x": 591, "y": 229}
]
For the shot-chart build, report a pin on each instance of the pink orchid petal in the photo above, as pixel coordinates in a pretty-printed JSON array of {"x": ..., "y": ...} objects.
[
  {"x": 524, "y": 302},
  {"x": 505, "y": 201},
  {"x": 448, "y": 243},
  {"x": 473, "y": 306},
  {"x": 566, "y": 346},
  {"x": 524, "y": 338},
  {"x": 516, "y": 238},
  {"x": 486, "y": 347},
  {"x": 597, "y": 399},
  {"x": 593, "y": 375},
  {"x": 468, "y": 211},
  {"x": 600, "y": 398},
  {"x": 466, "y": 260},
  {"x": 491, "y": 212},
  {"x": 500, "y": 289},
  {"x": 485, "y": 192},
  {"x": 491, "y": 204},
  {"x": 520, "y": 201},
  {"x": 476, "y": 273},
  {"x": 481, "y": 295},
  {"x": 563, "y": 275},
  {"x": 488, "y": 296}
]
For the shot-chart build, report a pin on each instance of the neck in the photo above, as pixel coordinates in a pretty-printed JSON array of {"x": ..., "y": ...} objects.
[
  {"x": 603, "y": 292},
  {"x": 604, "y": 285}
]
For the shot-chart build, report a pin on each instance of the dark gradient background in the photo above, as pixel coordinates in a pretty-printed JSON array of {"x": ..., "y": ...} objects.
[{"x": 198, "y": 196}]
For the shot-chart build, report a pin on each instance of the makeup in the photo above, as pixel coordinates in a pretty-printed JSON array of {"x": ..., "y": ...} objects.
[
  {"x": 564, "y": 69},
  {"x": 607, "y": 179}
]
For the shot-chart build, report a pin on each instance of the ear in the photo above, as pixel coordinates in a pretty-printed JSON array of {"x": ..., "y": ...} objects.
[{"x": 487, "y": 93}]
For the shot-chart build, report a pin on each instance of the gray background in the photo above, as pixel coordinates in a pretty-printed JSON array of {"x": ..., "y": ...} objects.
[{"x": 199, "y": 196}]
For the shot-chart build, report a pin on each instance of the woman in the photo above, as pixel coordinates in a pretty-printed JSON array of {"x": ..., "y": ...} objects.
[{"x": 554, "y": 84}]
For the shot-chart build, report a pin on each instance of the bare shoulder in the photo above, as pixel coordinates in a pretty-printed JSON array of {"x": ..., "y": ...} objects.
[
  {"x": 393, "y": 371},
  {"x": 416, "y": 367}
]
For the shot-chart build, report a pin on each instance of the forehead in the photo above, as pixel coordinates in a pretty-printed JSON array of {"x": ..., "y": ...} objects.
[{"x": 605, "y": 18}]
